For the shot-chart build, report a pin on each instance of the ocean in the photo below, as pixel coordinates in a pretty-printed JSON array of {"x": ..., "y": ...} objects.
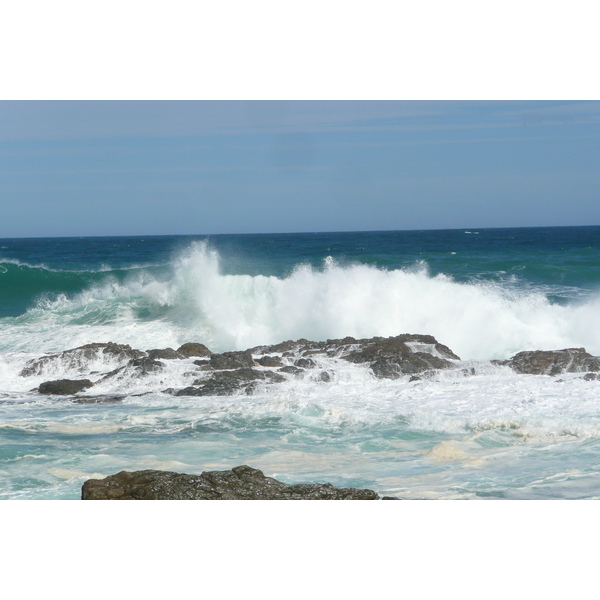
[{"x": 480, "y": 431}]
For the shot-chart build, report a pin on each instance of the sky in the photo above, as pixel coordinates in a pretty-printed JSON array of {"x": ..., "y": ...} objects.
[{"x": 95, "y": 168}]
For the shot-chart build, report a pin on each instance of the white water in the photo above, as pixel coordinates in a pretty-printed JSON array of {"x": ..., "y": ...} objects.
[{"x": 197, "y": 302}]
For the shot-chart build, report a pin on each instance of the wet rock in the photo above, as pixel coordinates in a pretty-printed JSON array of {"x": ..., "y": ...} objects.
[
  {"x": 239, "y": 483},
  {"x": 64, "y": 387},
  {"x": 97, "y": 399},
  {"x": 406, "y": 354},
  {"x": 553, "y": 362},
  {"x": 232, "y": 360},
  {"x": 146, "y": 365},
  {"x": 138, "y": 367},
  {"x": 287, "y": 346},
  {"x": 78, "y": 358},
  {"x": 193, "y": 349},
  {"x": 290, "y": 370},
  {"x": 225, "y": 383},
  {"x": 305, "y": 363},
  {"x": 164, "y": 353},
  {"x": 270, "y": 361},
  {"x": 591, "y": 377}
]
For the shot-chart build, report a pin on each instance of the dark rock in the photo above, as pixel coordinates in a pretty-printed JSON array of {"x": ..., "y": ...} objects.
[
  {"x": 291, "y": 370},
  {"x": 591, "y": 377},
  {"x": 146, "y": 365},
  {"x": 97, "y": 399},
  {"x": 405, "y": 354},
  {"x": 240, "y": 483},
  {"x": 225, "y": 383},
  {"x": 137, "y": 367},
  {"x": 288, "y": 346},
  {"x": 325, "y": 376},
  {"x": 305, "y": 363},
  {"x": 393, "y": 367},
  {"x": 192, "y": 349},
  {"x": 211, "y": 388},
  {"x": 553, "y": 362},
  {"x": 232, "y": 360},
  {"x": 202, "y": 363},
  {"x": 165, "y": 354},
  {"x": 64, "y": 387},
  {"x": 241, "y": 376},
  {"x": 80, "y": 356},
  {"x": 270, "y": 361}
]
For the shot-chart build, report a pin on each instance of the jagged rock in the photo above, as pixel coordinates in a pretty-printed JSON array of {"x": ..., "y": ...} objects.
[
  {"x": 225, "y": 383},
  {"x": 78, "y": 357},
  {"x": 287, "y": 346},
  {"x": 270, "y": 361},
  {"x": 232, "y": 360},
  {"x": 553, "y": 362},
  {"x": 64, "y": 387},
  {"x": 137, "y": 367},
  {"x": 193, "y": 349},
  {"x": 164, "y": 353},
  {"x": 240, "y": 483},
  {"x": 305, "y": 363},
  {"x": 393, "y": 357}
]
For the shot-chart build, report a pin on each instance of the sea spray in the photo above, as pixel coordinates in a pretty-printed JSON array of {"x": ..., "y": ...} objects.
[{"x": 194, "y": 300}]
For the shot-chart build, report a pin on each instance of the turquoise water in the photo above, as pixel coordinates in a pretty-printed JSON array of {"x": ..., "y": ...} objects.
[{"x": 485, "y": 293}]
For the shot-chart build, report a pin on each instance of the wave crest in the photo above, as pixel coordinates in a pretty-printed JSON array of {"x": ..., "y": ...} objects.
[{"x": 195, "y": 301}]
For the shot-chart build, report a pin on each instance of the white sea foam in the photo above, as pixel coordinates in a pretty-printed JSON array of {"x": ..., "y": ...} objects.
[{"x": 198, "y": 302}]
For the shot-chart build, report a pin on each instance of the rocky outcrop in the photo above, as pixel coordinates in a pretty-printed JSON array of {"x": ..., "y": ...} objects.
[
  {"x": 553, "y": 362},
  {"x": 388, "y": 358},
  {"x": 239, "y": 483},
  {"x": 64, "y": 387},
  {"x": 80, "y": 357}
]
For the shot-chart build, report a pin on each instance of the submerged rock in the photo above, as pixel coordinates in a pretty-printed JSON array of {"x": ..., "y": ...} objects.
[
  {"x": 553, "y": 362},
  {"x": 239, "y": 483},
  {"x": 64, "y": 387}
]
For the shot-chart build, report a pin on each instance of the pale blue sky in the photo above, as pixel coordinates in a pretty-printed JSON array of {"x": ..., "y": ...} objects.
[{"x": 206, "y": 167}]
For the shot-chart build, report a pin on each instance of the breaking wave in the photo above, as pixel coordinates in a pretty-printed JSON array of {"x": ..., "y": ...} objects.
[{"x": 194, "y": 300}]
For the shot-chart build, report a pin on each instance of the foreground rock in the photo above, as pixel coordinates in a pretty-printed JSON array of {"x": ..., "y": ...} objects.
[
  {"x": 553, "y": 362},
  {"x": 240, "y": 483}
]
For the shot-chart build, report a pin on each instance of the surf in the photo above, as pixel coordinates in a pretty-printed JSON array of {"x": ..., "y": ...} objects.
[{"x": 193, "y": 298}]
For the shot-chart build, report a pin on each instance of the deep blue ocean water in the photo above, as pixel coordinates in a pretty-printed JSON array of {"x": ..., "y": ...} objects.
[{"x": 485, "y": 293}]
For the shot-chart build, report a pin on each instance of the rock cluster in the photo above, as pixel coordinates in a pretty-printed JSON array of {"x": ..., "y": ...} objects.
[
  {"x": 242, "y": 372},
  {"x": 239, "y": 483}
]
